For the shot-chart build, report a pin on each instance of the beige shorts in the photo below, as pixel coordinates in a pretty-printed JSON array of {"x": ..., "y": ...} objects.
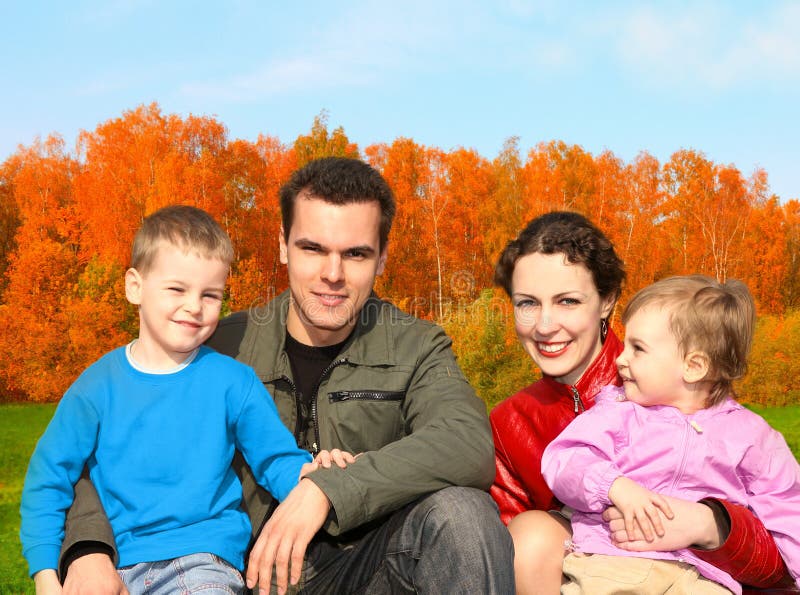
[{"x": 596, "y": 574}]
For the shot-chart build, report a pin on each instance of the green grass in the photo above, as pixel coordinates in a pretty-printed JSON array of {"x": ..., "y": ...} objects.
[{"x": 21, "y": 426}]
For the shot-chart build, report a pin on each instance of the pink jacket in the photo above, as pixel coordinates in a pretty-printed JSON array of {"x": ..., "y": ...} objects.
[{"x": 723, "y": 452}]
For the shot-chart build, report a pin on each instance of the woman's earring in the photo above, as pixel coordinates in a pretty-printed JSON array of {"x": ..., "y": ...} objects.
[{"x": 603, "y": 328}]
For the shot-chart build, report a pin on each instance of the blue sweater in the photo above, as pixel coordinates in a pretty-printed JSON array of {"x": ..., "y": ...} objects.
[{"x": 159, "y": 451}]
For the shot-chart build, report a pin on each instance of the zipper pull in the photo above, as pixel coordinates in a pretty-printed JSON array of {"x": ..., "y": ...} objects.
[{"x": 576, "y": 397}]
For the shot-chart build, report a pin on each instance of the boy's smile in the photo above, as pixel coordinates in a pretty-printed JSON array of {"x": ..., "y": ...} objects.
[{"x": 179, "y": 301}]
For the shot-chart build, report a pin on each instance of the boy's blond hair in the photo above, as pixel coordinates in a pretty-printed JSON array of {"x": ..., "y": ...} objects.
[
  {"x": 714, "y": 318},
  {"x": 188, "y": 228}
]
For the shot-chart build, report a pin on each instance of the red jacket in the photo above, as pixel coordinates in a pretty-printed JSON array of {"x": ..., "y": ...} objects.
[{"x": 524, "y": 424}]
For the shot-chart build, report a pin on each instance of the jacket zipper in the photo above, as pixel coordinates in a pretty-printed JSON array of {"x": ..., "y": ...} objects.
[
  {"x": 682, "y": 467},
  {"x": 577, "y": 398},
  {"x": 297, "y": 436},
  {"x": 365, "y": 395},
  {"x": 325, "y": 372}
]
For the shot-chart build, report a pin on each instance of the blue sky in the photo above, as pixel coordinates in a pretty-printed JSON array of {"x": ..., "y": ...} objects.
[{"x": 721, "y": 77}]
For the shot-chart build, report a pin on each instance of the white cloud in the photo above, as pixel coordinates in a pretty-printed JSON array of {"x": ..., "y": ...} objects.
[
  {"x": 711, "y": 46},
  {"x": 358, "y": 49}
]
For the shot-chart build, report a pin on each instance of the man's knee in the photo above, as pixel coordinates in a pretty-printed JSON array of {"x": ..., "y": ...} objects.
[{"x": 463, "y": 513}]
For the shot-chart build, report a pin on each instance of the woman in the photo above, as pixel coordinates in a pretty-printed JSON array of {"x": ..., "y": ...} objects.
[{"x": 564, "y": 279}]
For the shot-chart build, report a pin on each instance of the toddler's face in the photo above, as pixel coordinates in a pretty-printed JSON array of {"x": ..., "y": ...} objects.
[{"x": 651, "y": 365}]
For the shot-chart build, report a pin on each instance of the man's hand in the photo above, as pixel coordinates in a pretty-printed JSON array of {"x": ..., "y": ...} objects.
[
  {"x": 285, "y": 537},
  {"x": 692, "y": 525},
  {"x": 93, "y": 574},
  {"x": 641, "y": 509}
]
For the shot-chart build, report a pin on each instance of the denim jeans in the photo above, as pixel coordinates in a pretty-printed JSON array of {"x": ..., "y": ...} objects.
[
  {"x": 451, "y": 541},
  {"x": 195, "y": 573}
]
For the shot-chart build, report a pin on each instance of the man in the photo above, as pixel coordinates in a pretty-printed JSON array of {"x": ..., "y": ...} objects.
[{"x": 352, "y": 374}]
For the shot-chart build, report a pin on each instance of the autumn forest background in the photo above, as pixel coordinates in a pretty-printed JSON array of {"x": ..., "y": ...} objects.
[{"x": 67, "y": 219}]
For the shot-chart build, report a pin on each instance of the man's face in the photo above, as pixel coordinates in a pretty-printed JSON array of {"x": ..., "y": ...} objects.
[{"x": 332, "y": 255}]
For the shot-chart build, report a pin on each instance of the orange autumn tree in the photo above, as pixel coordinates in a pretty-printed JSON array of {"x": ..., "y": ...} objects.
[
  {"x": 67, "y": 221},
  {"x": 35, "y": 351}
]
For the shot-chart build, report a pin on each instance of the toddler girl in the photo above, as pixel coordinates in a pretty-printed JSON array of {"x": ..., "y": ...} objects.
[{"x": 674, "y": 429}]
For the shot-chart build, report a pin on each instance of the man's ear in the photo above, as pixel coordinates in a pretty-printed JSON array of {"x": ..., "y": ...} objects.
[
  {"x": 283, "y": 249},
  {"x": 133, "y": 286},
  {"x": 695, "y": 366},
  {"x": 382, "y": 260}
]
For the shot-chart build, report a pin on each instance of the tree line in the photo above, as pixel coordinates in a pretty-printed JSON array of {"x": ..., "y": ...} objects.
[{"x": 67, "y": 219}]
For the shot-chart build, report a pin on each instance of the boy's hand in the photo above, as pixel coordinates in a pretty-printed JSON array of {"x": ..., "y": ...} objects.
[
  {"x": 324, "y": 459},
  {"x": 640, "y": 508},
  {"x": 46, "y": 582},
  {"x": 341, "y": 457}
]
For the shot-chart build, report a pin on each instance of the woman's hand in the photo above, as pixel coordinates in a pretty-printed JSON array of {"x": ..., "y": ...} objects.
[{"x": 693, "y": 525}]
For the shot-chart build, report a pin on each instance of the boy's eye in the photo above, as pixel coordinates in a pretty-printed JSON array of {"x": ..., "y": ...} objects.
[
  {"x": 355, "y": 254},
  {"x": 176, "y": 289},
  {"x": 212, "y": 296}
]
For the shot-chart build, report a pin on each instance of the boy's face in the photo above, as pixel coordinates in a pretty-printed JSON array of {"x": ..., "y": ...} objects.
[
  {"x": 333, "y": 256},
  {"x": 652, "y": 367},
  {"x": 179, "y": 300}
]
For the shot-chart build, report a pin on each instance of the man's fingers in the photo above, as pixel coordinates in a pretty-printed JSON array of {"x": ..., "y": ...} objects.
[
  {"x": 298, "y": 555},
  {"x": 282, "y": 558}
]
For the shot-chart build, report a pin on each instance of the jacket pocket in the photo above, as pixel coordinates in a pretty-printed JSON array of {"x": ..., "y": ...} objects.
[
  {"x": 366, "y": 395},
  {"x": 361, "y": 420}
]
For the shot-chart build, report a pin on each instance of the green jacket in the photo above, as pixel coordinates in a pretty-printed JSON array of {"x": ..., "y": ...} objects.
[{"x": 395, "y": 393}]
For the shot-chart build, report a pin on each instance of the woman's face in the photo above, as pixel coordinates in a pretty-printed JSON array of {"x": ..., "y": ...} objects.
[{"x": 557, "y": 313}]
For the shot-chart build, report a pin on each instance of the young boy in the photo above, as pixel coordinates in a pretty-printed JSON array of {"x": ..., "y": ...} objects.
[{"x": 157, "y": 422}]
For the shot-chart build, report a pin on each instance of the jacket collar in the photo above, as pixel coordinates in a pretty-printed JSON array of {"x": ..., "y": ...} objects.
[
  {"x": 371, "y": 343},
  {"x": 601, "y": 372}
]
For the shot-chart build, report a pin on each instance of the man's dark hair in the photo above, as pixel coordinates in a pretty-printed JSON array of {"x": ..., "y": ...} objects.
[{"x": 339, "y": 181}]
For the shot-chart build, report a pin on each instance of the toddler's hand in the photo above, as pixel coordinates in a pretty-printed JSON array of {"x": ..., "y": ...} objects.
[{"x": 640, "y": 508}]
